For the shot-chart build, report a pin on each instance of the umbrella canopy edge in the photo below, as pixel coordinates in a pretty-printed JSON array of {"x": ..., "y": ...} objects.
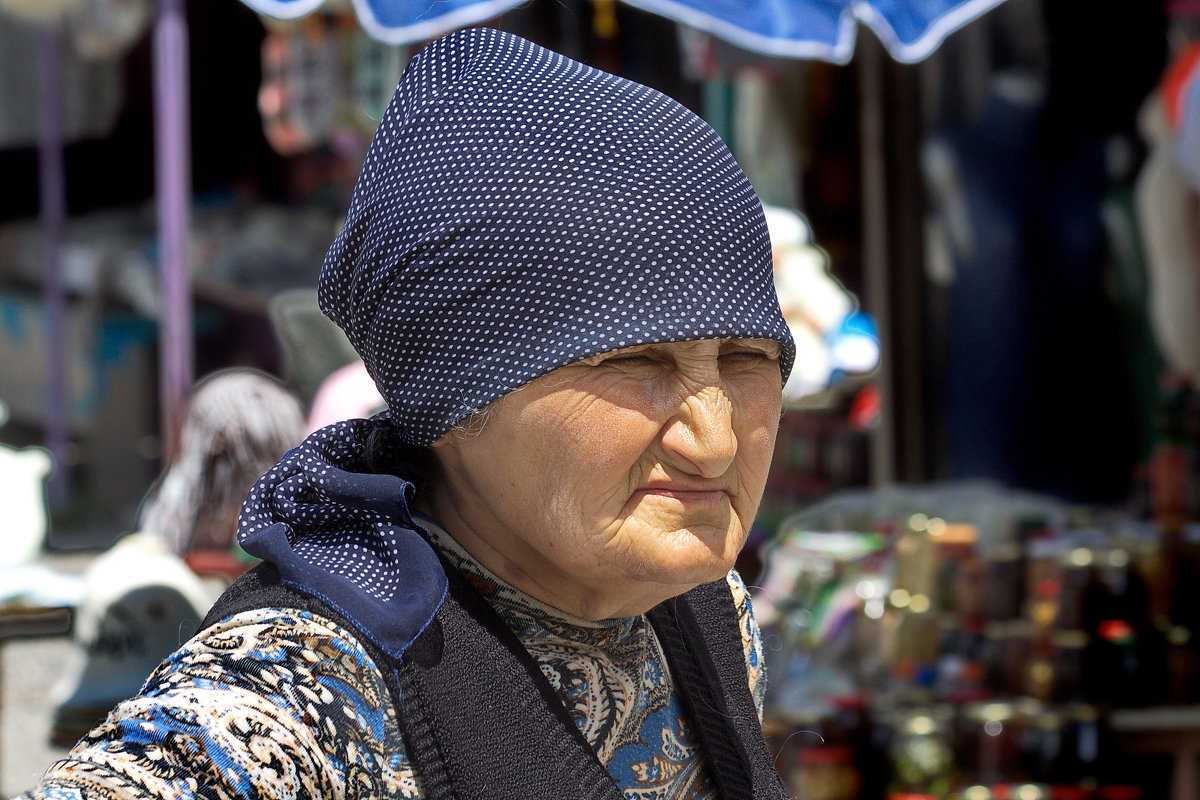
[
  {"x": 935, "y": 31},
  {"x": 408, "y": 24}
]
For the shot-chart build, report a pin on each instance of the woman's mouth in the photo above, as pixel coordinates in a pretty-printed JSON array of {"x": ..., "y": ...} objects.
[{"x": 687, "y": 496}]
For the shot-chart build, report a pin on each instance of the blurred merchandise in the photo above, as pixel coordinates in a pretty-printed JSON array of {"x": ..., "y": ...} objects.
[
  {"x": 23, "y": 474},
  {"x": 25, "y": 586},
  {"x": 833, "y": 338},
  {"x": 93, "y": 89},
  {"x": 348, "y": 393},
  {"x": 921, "y": 759},
  {"x": 986, "y": 637},
  {"x": 299, "y": 93},
  {"x": 819, "y": 631},
  {"x": 108, "y": 28},
  {"x": 109, "y": 368},
  {"x": 240, "y": 255},
  {"x": 822, "y": 446}
]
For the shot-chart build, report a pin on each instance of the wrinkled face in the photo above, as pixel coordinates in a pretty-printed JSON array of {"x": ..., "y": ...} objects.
[{"x": 616, "y": 482}]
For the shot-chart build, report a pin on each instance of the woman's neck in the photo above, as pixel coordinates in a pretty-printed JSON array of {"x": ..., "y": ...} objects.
[{"x": 507, "y": 562}]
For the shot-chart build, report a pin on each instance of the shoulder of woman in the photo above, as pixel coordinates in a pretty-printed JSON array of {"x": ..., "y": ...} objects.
[{"x": 259, "y": 690}]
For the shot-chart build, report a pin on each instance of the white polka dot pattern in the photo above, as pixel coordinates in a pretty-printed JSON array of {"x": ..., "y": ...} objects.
[
  {"x": 323, "y": 518},
  {"x": 518, "y": 211}
]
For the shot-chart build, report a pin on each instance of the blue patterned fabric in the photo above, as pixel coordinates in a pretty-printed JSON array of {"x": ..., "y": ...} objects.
[
  {"x": 519, "y": 211},
  {"x": 269, "y": 704},
  {"x": 825, "y": 29}
]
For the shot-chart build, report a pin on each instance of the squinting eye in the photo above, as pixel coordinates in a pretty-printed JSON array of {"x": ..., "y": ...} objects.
[
  {"x": 632, "y": 360},
  {"x": 748, "y": 356}
]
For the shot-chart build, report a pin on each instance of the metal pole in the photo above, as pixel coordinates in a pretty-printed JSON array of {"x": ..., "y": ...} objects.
[
  {"x": 173, "y": 189},
  {"x": 53, "y": 209},
  {"x": 877, "y": 279}
]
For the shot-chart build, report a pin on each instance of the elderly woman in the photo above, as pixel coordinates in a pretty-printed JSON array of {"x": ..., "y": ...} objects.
[{"x": 517, "y": 582}]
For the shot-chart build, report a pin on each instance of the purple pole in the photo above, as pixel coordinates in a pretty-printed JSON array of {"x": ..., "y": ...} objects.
[
  {"x": 173, "y": 188},
  {"x": 53, "y": 208}
]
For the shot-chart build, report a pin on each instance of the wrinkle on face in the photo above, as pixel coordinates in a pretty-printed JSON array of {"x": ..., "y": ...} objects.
[
  {"x": 703, "y": 432},
  {"x": 562, "y": 493}
]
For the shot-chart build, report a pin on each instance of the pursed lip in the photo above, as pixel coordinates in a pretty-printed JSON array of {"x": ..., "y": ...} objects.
[{"x": 684, "y": 493}]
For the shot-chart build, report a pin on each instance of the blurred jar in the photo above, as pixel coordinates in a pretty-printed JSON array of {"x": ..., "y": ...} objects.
[
  {"x": 915, "y": 596},
  {"x": 817, "y": 759},
  {"x": 1125, "y": 656},
  {"x": 1069, "y": 665},
  {"x": 1075, "y": 571},
  {"x": 1044, "y": 581},
  {"x": 992, "y": 744},
  {"x": 1182, "y": 664},
  {"x": 1084, "y": 743},
  {"x": 821, "y": 607},
  {"x": 920, "y": 754},
  {"x": 1041, "y": 744},
  {"x": 1006, "y": 651},
  {"x": 1007, "y": 791},
  {"x": 1181, "y": 623},
  {"x": 825, "y": 773},
  {"x": 1005, "y": 582}
]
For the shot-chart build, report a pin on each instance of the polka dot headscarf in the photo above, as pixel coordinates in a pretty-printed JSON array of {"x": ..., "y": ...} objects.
[{"x": 519, "y": 211}]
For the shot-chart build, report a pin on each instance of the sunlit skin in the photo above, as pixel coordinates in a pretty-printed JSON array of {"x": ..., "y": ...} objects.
[{"x": 612, "y": 484}]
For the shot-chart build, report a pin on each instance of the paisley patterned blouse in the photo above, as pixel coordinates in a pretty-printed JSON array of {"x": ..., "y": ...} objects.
[{"x": 278, "y": 703}]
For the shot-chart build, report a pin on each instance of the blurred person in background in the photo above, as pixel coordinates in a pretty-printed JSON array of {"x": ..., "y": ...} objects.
[
  {"x": 518, "y": 581},
  {"x": 238, "y": 423},
  {"x": 348, "y": 393}
]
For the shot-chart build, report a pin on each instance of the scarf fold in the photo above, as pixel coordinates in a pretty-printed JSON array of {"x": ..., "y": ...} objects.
[{"x": 344, "y": 533}]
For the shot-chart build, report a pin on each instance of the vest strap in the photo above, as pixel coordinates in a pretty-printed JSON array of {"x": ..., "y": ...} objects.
[{"x": 699, "y": 632}]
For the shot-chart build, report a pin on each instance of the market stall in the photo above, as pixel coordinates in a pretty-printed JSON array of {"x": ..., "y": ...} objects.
[{"x": 988, "y": 262}]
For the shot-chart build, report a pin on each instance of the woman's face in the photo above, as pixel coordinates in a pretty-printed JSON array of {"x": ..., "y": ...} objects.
[{"x": 611, "y": 484}]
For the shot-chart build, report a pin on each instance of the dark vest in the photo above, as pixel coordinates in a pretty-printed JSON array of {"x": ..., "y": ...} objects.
[{"x": 481, "y": 721}]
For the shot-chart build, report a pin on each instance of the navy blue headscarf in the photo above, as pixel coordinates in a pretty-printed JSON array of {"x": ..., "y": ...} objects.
[{"x": 519, "y": 211}]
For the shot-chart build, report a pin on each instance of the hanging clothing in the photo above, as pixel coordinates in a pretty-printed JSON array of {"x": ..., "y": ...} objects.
[
  {"x": 1171, "y": 234},
  {"x": 92, "y": 90},
  {"x": 1031, "y": 328}
]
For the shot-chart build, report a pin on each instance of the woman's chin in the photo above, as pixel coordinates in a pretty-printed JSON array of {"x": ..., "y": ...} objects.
[{"x": 692, "y": 556}]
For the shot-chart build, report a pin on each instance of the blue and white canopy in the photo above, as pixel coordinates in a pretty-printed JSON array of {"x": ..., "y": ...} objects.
[{"x": 822, "y": 29}]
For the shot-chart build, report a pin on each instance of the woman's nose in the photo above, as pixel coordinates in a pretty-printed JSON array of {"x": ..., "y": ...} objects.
[{"x": 700, "y": 438}]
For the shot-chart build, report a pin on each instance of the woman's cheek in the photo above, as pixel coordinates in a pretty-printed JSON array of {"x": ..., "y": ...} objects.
[{"x": 612, "y": 438}]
